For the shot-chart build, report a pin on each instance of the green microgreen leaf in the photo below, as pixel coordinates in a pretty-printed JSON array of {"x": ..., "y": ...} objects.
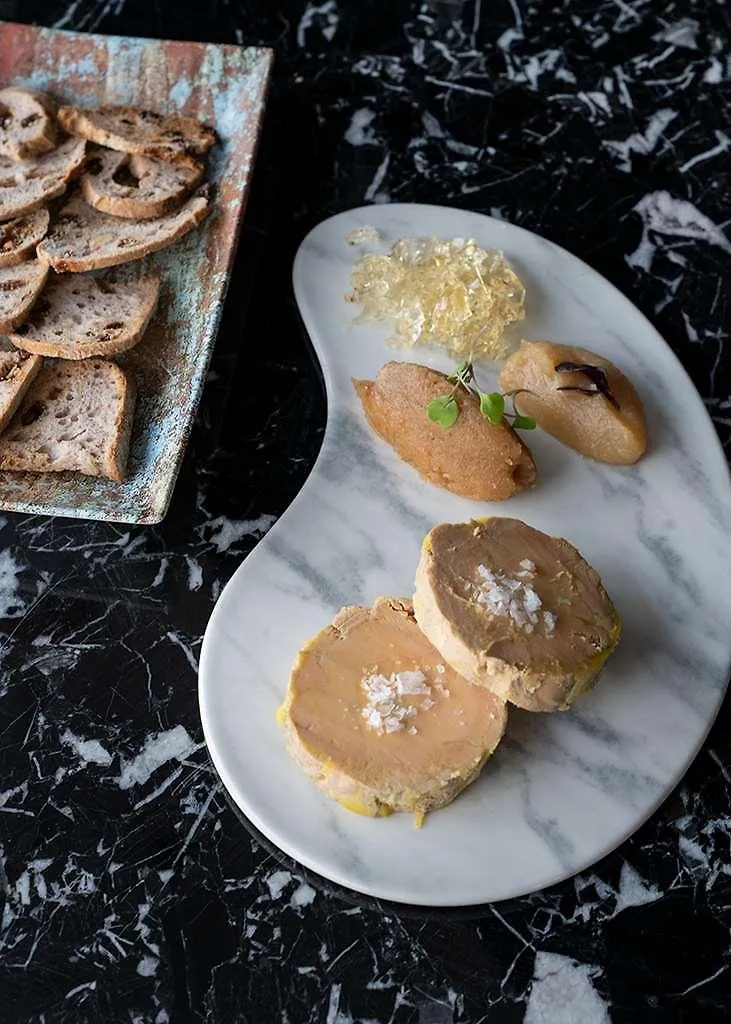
[
  {"x": 492, "y": 406},
  {"x": 443, "y": 410},
  {"x": 523, "y": 422}
]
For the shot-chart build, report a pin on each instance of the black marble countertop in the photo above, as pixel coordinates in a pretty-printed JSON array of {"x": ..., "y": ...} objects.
[{"x": 129, "y": 889}]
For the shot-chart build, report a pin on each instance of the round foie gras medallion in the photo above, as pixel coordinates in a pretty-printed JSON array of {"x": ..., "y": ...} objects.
[
  {"x": 378, "y": 720},
  {"x": 515, "y": 610}
]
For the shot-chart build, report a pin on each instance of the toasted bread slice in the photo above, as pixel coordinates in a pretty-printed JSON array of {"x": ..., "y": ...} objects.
[
  {"x": 130, "y": 130},
  {"x": 376, "y": 719},
  {"x": 19, "y": 237},
  {"x": 26, "y": 123},
  {"x": 77, "y": 317},
  {"x": 27, "y": 184},
  {"x": 82, "y": 238},
  {"x": 515, "y": 611},
  {"x": 19, "y": 288},
  {"x": 138, "y": 187},
  {"x": 75, "y": 416},
  {"x": 18, "y": 370}
]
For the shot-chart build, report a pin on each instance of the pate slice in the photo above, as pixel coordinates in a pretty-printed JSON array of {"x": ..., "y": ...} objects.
[
  {"x": 377, "y": 720},
  {"x": 515, "y": 611}
]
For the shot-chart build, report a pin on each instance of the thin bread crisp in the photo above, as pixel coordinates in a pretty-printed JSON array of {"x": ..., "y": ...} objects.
[
  {"x": 131, "y": 130},
  {"x": 81, "y": 316},
  {"x": 27, "y": 184},
  {"x": 76, "y": 416},
  {"x": 27, "y": 127},
  {"x": 20, "y": 236},
  {"x": 18, "y": 370},
  {"x": 82, "y": 238},
  {"x": 137, "y": 187},
  {"x": 19, "y": 288}
]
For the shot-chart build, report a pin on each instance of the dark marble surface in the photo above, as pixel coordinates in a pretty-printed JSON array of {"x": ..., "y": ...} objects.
[{"x": 130, "y": 891}]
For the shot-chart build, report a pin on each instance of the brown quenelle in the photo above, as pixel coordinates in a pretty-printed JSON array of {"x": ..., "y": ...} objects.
[
  {"x": 474, "y": 458},
  {"x": 579, "y": 397}
]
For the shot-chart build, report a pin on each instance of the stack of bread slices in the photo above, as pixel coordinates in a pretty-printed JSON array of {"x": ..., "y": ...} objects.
[{"x": 82, "y": 190}]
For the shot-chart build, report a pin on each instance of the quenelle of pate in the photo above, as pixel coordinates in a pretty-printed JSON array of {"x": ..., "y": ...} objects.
[
  {"x": 580, "y": 397},
  {"x": 473, "y": 458}
]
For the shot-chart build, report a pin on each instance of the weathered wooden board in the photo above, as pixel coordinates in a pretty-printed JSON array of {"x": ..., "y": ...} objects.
[{"x": 225, "y": 86}]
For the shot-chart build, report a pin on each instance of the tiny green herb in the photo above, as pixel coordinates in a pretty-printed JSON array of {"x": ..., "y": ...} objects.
[
  {"x": 492, "y": 406},
  {"x": 443, "y": 410},
  {"x": 523, "y": 422}
]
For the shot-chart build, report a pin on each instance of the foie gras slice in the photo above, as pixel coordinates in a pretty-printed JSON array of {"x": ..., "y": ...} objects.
[
  {"x": 377, "y": 720},
  {"x": 515, "y": 611}
]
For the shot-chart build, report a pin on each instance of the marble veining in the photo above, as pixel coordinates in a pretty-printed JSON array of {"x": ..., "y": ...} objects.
[{"x": 152, "y": 903}]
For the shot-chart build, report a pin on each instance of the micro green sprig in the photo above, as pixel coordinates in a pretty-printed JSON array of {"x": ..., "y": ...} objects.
[{"x": 445, "y": 410}]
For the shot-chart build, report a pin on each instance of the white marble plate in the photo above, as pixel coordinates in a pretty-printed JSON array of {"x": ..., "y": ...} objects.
[{"x": 562, "y": 790}]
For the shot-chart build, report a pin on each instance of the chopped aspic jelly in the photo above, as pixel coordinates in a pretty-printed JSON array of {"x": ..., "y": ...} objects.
[{"x": 450, "y": 294}]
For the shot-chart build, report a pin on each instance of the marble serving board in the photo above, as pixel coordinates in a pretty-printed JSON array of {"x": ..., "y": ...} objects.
[
  {"x": 564, "y": 789},
  {"x": 225, "y": 86}
]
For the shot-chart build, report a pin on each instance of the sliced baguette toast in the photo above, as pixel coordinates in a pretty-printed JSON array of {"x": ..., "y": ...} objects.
[
  {"x": 82, "y": 238},
  {"x": 138, "y": 187},
  {"x": 75, "y": 416},
  {"x": 81, "y": 316},
  {"x": 130, "y": 130},
  {"x": 19, "y": 288},
  {"x": 18, "y": 370},
  {"x": 26, "y": 123},
  {"x": 19, "y": 237},
  {"x": 27, "y": 184}
]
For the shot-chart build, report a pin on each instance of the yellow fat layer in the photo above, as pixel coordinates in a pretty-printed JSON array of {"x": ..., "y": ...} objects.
[
  {"x": 593, "y": 667},
  {"x": 352, "y": 803}
]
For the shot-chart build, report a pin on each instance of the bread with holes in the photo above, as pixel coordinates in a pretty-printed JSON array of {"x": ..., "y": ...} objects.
[
  {"x": 138, "y": 187},
  {"x": 132, "y": 130},
  {"x": 75, "y": 416},
  {"x": 19, "y": 288},
  {"x": 27, "y": 125},
  {"x": 18, "y": 370},
  {"x": 20, "y": 236},
  {"x": 27, "y": 184},
  {"x": 82, "y": 238},
  {"x": 81, "y": 316}
]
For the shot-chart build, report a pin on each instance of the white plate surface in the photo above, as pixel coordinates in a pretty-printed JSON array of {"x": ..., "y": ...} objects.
[{"x": 562, "y": 790}]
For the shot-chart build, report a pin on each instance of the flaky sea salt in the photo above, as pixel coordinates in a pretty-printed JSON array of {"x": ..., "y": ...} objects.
[
  {"x": 411, "y": 683},
  {"x": 386, "y": 711},
  {"x": 527, "y": 570},
  {"x": 514, "y": 597}
]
